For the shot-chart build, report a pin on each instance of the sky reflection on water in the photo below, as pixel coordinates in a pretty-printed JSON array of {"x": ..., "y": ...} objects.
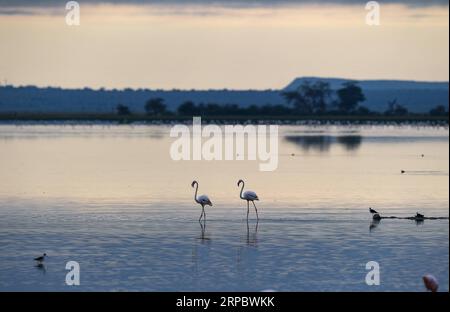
[{"x": 112, "y": 199}]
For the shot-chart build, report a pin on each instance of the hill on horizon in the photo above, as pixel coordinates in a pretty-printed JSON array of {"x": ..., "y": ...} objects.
[
  {"x": 336, "y": 83},
  {"x": 417, "y": 96}
]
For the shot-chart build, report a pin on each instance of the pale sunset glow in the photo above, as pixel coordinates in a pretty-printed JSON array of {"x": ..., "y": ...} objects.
[{"x": 239, "y": 47}]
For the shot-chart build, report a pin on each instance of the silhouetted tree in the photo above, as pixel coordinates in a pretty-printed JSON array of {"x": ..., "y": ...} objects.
[
  {"x": 297, "y": 99},
  {"x": 155, "y": 106},
  {"x": 309, "y": 97},
  {"x": 319, "y": 94},
  {"x": 395, "y": 109},
  {"x": 252, "y": 110},
  {"x": 438, "y": 111},
  {"x": 272, "y": 110},
  {"x": 391, "y": 107},
  {"x": 401, "y": 111},
  {"x": 362, "y": 110},
  {"x": 188, "y": 108},
  {"x": 213, "y": 109},
  {"x": 349, "y": 97},
  {"x": 122, "y": 110}
]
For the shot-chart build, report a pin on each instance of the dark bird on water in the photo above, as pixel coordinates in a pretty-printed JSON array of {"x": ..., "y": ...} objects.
[
  {"x": 41, "y": 258},
  {"x": 419, "y": 216},
  {"x": 403, "y": 171},
  {"x": 372, "y": 211}
]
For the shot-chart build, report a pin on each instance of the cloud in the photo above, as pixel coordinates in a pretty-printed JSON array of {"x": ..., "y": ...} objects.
[
  {"x": 225, "y": 3},
  {"x": 32, "y": 7}
]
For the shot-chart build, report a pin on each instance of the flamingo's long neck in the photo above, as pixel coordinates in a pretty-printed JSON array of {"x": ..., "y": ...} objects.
[
  {"x": 196, "y": 190},
  {"x": 242, "y": 189}
]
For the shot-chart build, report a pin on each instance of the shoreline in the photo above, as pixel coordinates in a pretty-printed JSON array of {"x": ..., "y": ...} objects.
[{"x": 82, "y": 118}]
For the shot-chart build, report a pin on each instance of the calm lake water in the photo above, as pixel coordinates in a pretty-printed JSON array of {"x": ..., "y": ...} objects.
[{"x": 111, "y": 198}]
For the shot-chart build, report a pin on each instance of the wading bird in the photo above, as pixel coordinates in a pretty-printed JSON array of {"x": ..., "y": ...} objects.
[
  {"x": 41, "y": 258},
  {"x": 203, "y": 200},
  {"x": 249, "y": 196}
]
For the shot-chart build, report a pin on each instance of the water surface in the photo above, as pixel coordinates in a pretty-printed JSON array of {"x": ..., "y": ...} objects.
[{"x": 111, "y": 198}]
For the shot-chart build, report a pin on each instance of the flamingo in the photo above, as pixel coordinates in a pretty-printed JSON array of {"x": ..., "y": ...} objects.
[
  {"x": 203, "y": 200},
  {"x": 249, "y": 196}
]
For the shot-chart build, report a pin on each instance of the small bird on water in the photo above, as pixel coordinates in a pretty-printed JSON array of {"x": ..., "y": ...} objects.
[
  {"x": 41, "y": 258},
  {"x": 419, "y": 216},
  {"x": 372, "y": 211},
  {"x": 403, "y": 171}
]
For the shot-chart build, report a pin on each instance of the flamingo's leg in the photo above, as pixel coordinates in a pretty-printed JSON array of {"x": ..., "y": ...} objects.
[
  {"x": 248, "y": 208},
  {"x": 201, "y": 215},
  {"x": 204, "y": 214},
  {"x": 248, "y": 233},
  {"x": 257, "y": 217}
]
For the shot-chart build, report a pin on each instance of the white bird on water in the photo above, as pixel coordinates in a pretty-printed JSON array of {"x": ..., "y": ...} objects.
[
  {"x": 249, "y": 196},
  {"x": 203, "y": 200}
]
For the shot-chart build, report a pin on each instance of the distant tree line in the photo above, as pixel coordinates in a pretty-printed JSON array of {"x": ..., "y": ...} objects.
[
  {"x": 310, "y": 98},
  {"x": 318, "y": 98}
]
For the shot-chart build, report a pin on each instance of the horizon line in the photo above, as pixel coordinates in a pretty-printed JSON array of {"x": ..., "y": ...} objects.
[{"x": 215, "y": 89}]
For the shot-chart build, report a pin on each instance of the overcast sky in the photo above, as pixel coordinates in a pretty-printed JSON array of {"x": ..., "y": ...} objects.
[
  {"x": 222, "y": 2},
  {"x": 219, "y": 44}
]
